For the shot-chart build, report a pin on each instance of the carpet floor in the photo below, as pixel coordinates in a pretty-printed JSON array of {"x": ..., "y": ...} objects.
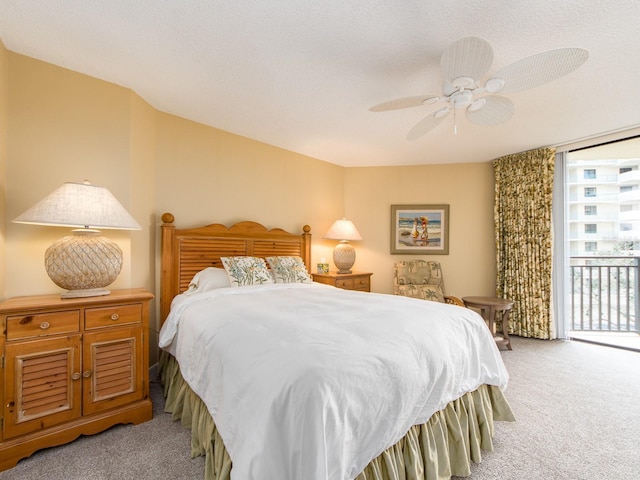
[{"x": 577, "y": 407}]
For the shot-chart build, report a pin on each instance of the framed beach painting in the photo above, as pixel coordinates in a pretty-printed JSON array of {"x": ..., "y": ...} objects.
[{"x": 420, "y": 229}]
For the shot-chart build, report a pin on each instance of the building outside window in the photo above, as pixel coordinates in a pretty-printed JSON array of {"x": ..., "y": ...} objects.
[
  {"x": 603, "y": 200},
  {"x": 590, "y": 209}
]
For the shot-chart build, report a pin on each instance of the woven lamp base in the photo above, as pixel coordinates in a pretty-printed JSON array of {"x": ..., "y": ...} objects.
[
  {"x": 344, "y": 256},
  {"x": 83, "y": 263}
]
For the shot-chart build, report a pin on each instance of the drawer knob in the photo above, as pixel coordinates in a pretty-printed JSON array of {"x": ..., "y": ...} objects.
[
  {"x": 115, "y": 316},
  {"x": 44, "y": 325},
  {"x": 86, "y": 374},
  {"x": 75, "y": 376}
]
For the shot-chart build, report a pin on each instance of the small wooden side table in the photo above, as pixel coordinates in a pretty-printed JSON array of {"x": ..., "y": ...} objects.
[{"x": 489, "y": 308}]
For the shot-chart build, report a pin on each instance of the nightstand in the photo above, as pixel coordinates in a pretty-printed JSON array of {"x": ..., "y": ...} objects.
[
  {"x": 71, "y": 367},
  {"x": 348, "y": 281}
]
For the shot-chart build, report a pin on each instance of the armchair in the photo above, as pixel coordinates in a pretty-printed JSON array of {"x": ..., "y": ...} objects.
[{"x": 421, "y": 279}]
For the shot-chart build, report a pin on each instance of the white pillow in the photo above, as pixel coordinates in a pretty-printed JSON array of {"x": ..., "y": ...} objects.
[
  {"x": 246, "y": 271},
  {"x": 208, "y": 279},
  {"x": 289, "y": 270}
]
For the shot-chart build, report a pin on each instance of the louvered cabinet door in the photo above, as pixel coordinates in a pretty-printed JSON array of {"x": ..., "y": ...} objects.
[
  {"x": 42, "y": 384},
  {"x": 112, "y": 368}
]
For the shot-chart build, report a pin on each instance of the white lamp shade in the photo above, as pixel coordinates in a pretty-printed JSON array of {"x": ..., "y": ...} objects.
[
  {"x": 80, "y": 205},
  {"x": 343, "y": 230}
]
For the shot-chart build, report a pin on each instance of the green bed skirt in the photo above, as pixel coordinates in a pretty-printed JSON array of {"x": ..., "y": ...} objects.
[{"x": 443, "y": 447}]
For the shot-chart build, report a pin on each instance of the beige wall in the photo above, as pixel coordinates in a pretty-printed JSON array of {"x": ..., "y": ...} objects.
[
  {"x": 142, "y": 194},
  {"x": 204, "y": 174},
  {"x": 142, "y": 189},
  {"x": 61, "y": 126},
  {"x": 4, "y": 86},
  {"x": 469, "y": 269}
]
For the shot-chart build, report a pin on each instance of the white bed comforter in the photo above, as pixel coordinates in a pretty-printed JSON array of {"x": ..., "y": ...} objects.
[{"x": 310, "y": 382}]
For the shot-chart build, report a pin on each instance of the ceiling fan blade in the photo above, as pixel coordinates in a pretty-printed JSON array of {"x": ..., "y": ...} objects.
[
  {"x": 539, "y": 69},
  {"x": 469, "y": 57},
  {"x": 428, "y": 123},
  {"x": 405, "y": 102},
  {"x": 496, "y": 110}
]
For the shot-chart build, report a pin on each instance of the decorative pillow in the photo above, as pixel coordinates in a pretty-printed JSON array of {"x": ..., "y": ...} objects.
[
  {"x": 208, "y": 279},
  {"x": 289, "y": 270},
  {"x": 246, "y": 271}
]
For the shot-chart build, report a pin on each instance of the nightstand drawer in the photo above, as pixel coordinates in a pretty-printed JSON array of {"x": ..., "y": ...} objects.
[
  {"x": 112, "y": 315},
  {"x": 362, "y": 283},
  {"x": 41, "y": 324},
  {"x": 346, "y": 283}
]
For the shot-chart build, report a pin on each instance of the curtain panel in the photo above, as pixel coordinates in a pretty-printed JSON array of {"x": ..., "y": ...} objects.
[{"x": 524, "y": 244}]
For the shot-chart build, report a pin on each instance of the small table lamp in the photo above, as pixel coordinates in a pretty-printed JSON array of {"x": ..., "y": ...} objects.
[
  {"x": 85, "y": 262},
  {"x": 344, "y": 255}
]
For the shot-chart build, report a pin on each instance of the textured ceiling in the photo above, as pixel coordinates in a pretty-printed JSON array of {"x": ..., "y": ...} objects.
[{"x": 302, "y": 75}]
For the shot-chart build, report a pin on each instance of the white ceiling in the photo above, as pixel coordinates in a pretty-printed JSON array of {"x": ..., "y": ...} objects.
[{"x": 302, "y": 74}]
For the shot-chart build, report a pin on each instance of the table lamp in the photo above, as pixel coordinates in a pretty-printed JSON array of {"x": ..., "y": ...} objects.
[
  {"x": 85, "y": 262},
  {"x": 344, "y": 255}
]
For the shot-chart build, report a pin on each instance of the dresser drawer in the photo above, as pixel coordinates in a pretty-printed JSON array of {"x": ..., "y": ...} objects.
[
  {"x": 41, "y": 324},
  {"x": 362, "y": 283},
  {"x": 346, "y": 283},
  {"x": 112, "y": 315}
]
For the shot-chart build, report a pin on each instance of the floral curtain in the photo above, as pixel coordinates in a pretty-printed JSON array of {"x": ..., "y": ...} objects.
[{"x": 522, "y": 213}]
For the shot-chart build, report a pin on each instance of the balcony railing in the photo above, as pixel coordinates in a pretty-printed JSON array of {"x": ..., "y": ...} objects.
[{"x": 604, "y": 294}]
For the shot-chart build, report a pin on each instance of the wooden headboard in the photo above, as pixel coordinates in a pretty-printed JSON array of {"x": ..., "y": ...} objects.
[{"x": 187, "y": 251}]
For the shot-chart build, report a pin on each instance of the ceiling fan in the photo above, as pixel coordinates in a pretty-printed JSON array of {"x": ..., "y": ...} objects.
[{"x": 464, "y": 65}]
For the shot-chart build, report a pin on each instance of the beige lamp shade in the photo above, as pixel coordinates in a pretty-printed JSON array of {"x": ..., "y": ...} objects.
[
  {"x": 80, "y": 205},
  {"x": 344, "y": 255},
  {"x": 85, "y": 262}
]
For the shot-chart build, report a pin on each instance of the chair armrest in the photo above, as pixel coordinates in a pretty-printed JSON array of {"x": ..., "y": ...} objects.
[{"x": 453, "y": 300}]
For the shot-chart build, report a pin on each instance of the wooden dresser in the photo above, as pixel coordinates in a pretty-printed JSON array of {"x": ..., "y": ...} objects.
[
  {"x": 347, "y": 281},
  {"x": 71, "y": 367}
]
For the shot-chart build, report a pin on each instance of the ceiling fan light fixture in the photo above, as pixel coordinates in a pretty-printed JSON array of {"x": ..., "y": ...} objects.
[
  {"x": 496, "y": 110},
  {"x": 477, "y": 105},
  {"x": 494, "y": 85},
  {"x": 463, "y": 82},
  {"x": 462, "y": 99}
]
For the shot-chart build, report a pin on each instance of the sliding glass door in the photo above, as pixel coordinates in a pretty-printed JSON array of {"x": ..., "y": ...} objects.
[{"x": 600, "y": 269}]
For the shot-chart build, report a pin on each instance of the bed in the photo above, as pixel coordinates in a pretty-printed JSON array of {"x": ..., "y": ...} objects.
[{"x": 297, "y": 380}]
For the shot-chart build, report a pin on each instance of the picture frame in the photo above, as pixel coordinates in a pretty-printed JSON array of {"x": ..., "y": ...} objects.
[{"x": 420, "y": 229}]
